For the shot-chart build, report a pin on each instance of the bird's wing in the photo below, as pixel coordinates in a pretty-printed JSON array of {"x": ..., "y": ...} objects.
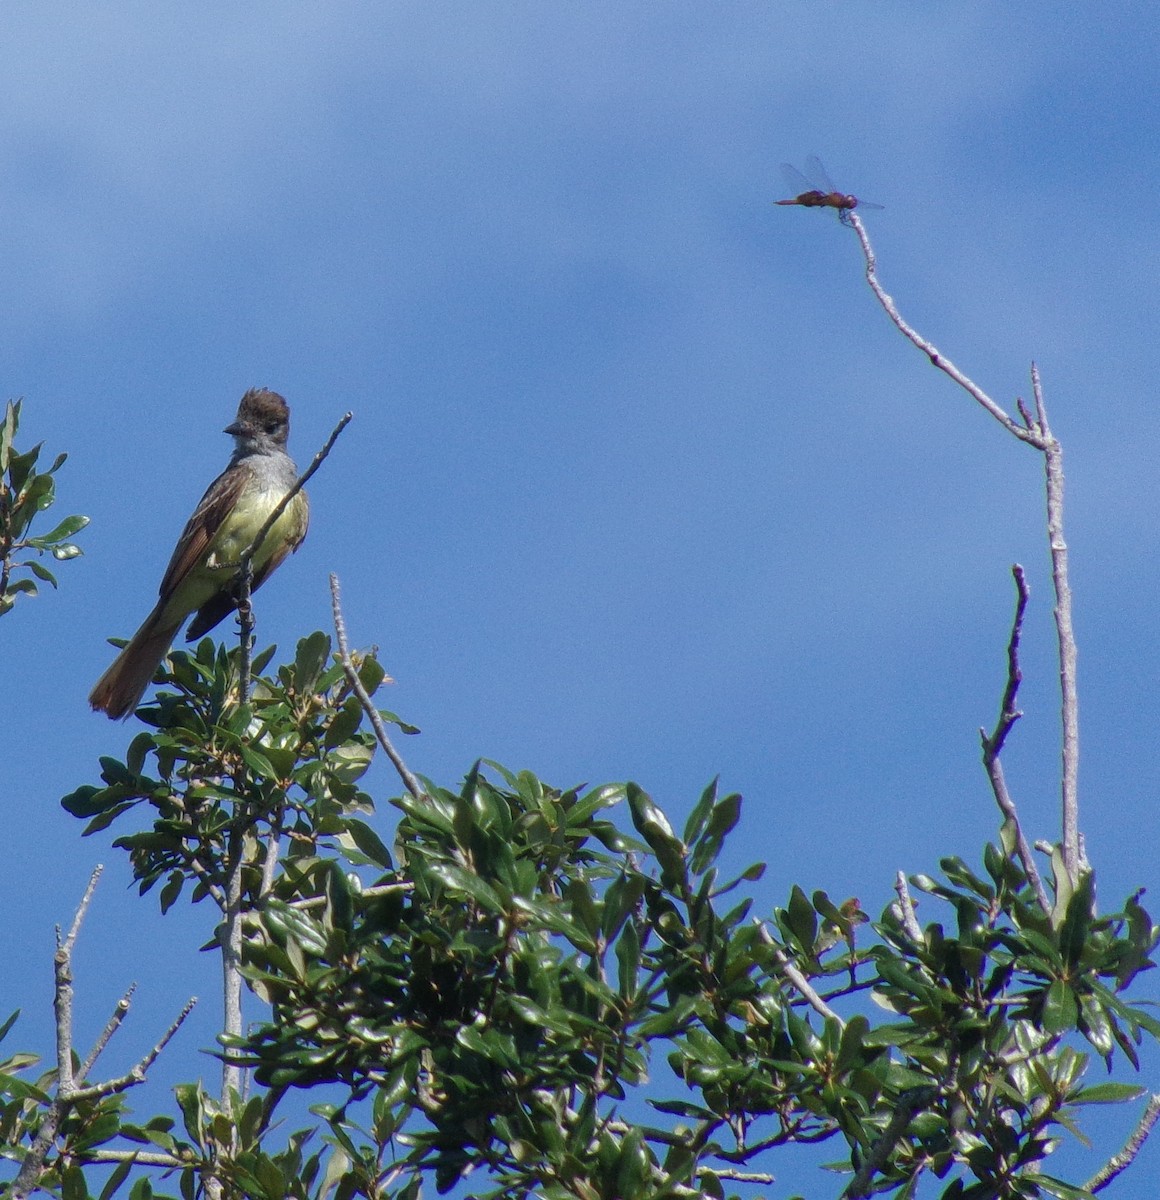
[{"x": 193, "y": 545}]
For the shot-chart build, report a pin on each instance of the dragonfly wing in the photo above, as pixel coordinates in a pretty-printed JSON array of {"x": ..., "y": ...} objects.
[
  {"x": 795, "y": 180},
  {"x": 819, "y": 175}
]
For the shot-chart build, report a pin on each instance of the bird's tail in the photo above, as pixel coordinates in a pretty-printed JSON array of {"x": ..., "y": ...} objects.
[{"x": 121, "y": 687}]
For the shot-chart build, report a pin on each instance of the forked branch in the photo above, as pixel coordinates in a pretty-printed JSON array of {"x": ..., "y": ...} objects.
[
  {"x": 71, "y": 1087},
  {"x": 410, "y": 781},
  {"x": 1033, "y": 429},
  {"x": 993, "y": 742}
]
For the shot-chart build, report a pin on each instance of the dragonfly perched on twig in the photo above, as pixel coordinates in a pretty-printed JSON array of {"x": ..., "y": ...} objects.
[{"x": 817, "y": 191}]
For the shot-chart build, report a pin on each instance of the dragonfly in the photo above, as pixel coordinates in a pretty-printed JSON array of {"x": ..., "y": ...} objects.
[{"x": 816, "y": 191}]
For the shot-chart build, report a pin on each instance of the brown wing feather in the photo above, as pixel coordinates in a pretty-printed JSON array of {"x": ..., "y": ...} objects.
[{"x": 211, "y": 511}]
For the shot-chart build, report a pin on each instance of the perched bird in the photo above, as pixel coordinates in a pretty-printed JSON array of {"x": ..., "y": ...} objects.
[{"x": 202, "y": 573}]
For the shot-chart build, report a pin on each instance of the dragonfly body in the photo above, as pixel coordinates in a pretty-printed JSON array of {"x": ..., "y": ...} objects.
[
  {"x": 818, "y": 199},
  {"x": 816, "y": 190}
]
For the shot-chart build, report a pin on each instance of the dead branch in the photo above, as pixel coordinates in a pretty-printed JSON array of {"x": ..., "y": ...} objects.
[
  {"x": 410, "y": 781},
  {"x": 1033, "y": 429},
  {"x": 993, "y": 742},
  {"x": 68, "y": 1092},
  {"x": 1124, "y": 1159},
  {"x": 905, "y": 909}
]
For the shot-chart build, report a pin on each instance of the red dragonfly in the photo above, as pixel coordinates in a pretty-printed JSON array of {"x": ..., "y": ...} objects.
[{"x": 817, "y": 191}]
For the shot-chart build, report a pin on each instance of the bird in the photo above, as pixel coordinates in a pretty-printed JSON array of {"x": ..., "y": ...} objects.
[{"x": 201, "y": 574}]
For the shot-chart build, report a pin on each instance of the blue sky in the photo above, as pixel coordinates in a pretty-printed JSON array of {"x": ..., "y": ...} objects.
[{"x": 641, "y": 482}]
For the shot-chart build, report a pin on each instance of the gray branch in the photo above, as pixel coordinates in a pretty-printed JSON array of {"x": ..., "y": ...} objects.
[
  {"x": 67, "y": 1091},
  {"x": 1033, "y": 429},
  {"x": 410, "y": 781},
  {"x": 1120, "y": 1162},
  {"x": 905, "y": 908},
  {"x": 993, "y": 742}
]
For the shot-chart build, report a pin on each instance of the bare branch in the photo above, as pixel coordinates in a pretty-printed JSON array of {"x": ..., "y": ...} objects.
[
  {"x": 111, "y": 1027},
  {"x": 1120, "y": 1162},
  {"x": 82, "y": 909},
  {"x": 908, "y": 1104},
  {"x": 144, "y": 1158},
  {"x": 1073, "y": 859},
  {"x": 932, "y": 352},
  {"x": 246, "y": 562},
  {"x": 231, "y": 947},
  {"x": 741, "y": 1176},
  {"x": 993, "y": 743},
  {"x": 905, "y": 908},
  {"x": 67, "y": 1093},
  {"x": 410, "y": 781},
  {"x": 63, "y": 989},
  {"x": 137, "y": 1073},
  {"x": 795, "y": 977},
  {"x": 1035, "y": 431},
  {"x": 270, "y": 862}
]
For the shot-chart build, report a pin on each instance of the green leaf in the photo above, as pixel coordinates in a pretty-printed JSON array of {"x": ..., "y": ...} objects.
[
  {"x": 457, "y": 879},
  {"x": 1073, "y": 932},
  {"x": 699, "y": 817},
  {"x": 1060, "y": 1010},
  {"x": 339, "y": 902},
  {"x": 801, "y": 920},
  {"x": 722, "y": 821},
  {"x": 369, "y": 842},
  {"x": 118, "y": 1177},
  {"x": 652, "y": 824},
  {"x": 66, "y": 528},
  {"x": 73, "y": 1184},
  {"x": 40, "y": 571},
  {"x": 1106, "y": 1093},
  {"x": 309, "y": 660},
  {"x": 628, "y": 959}
]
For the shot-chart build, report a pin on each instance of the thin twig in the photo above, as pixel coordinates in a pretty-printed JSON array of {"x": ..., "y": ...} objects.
[
  {"x": 905, "y": 908},
  {"x": 1125, "y": 1158},
  {"x": 907, "y": 1105},
  {"x": 937, "y": 358},
  {"x": 246, "y": 562},
  {"x": 67, "y": 1093},
  {"x": 213, "y": 889},
  {"x": 993, "y": 742},
  {"x": 136, "y": 1074},
  {"x": 410, "y": 781},
  {"x": 111, "y": 1027},
  {"x": 795, "y": 977}
]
